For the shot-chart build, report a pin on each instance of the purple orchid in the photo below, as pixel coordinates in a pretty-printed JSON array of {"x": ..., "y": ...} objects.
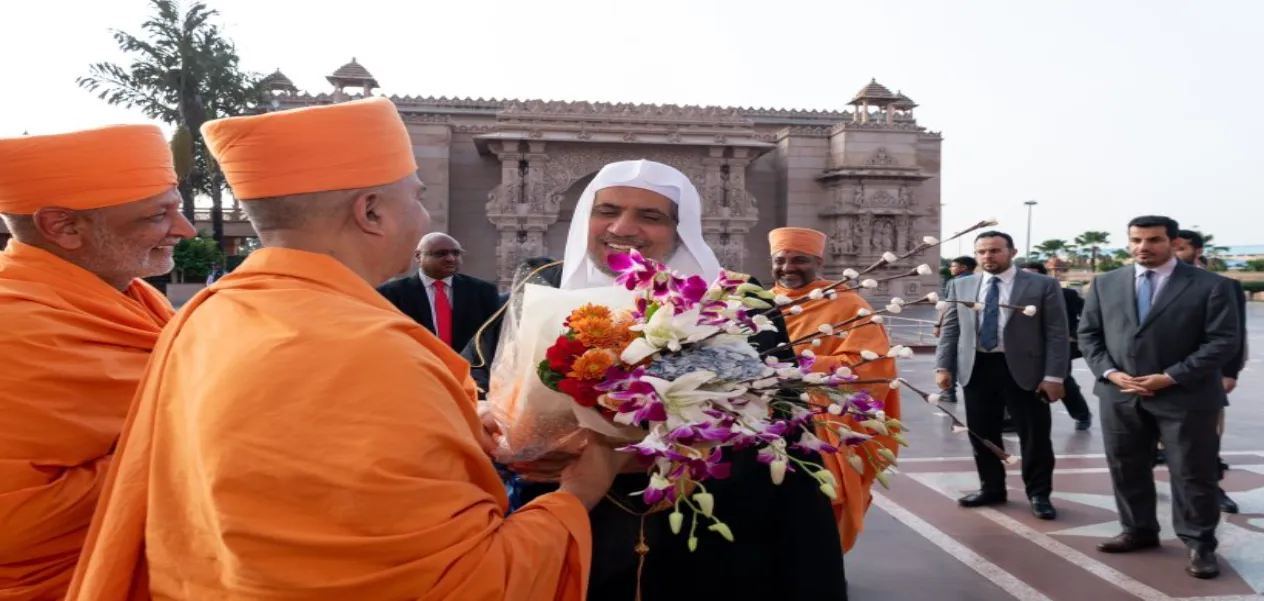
[
  {"x": 809, "y": 442},
  {"x": 635, "y": 271}
]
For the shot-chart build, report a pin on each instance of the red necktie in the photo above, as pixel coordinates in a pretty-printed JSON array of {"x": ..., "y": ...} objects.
[{"x": 443, "y": 313}]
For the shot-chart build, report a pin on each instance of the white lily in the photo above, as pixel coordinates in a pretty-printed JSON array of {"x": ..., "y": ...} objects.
[
  {"x": 941, "y": 305},
  {"x": 889, "y": 257},
  {"x": 870, "y": 283},
  {"x": 796, "y": 310},
  {"x": 1029, "y": 310},
  {"x": 924, "y": 269},
  {"x": 933, "y": 297},
  {"x": 667, "y": 330},
  {"x": 683, "y": 399},
  {"x": 894, "y": 308},
  {"x": 930, "y": 240},
  {"x": 850, "y": 273},
  {"x": 781, "y": 300},
  {"x": 816, "y": 294}
]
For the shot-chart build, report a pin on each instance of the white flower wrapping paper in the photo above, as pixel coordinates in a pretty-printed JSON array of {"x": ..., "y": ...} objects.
[{"x": 535, "y": 419}]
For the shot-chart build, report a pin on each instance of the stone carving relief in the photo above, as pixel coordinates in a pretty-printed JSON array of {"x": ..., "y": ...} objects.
[
  {"x": 882, "y": 198},
  {"x": 880, "y": 158},
  {"x": 912, "y": 290},
  {"x": 564, "y": 168},
  {"x": 883, "y": 236},
  {"x": 906, "y": 196}
]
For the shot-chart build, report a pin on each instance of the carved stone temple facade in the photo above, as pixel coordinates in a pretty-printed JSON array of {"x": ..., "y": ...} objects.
[{"x": 503, "y": 176}]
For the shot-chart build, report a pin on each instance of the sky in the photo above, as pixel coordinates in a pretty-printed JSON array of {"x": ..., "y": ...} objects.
[{"x": 1098, "y": 111}]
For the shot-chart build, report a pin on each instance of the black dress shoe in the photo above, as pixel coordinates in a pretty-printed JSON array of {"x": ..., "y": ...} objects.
[
  {"x": 1202, "y": 563},
  {"x": 1083, "y": 424},
  {"x": 1127, "y": 543},
  {"x": 982, "y": 499},
  {"x": 1043, "y": 509},
  {"x": 1227, "y": 505}
]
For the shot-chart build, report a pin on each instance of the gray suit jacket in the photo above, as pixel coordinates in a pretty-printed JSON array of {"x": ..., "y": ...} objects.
[
  {"x": 1036, "y": 347},
  {"x": 1190, "y": 334}
]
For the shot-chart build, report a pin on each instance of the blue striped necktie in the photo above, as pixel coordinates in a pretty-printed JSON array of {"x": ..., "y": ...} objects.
[
  {"x": 990, "y": 332},
  {"x": 1145, "y": 294}
]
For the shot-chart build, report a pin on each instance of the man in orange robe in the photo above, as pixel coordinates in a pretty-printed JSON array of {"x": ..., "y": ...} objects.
[
  {"x": 797, "y": 258},
  {"x": 91, "y": 212},
  {"x": 296, "y": 436}
]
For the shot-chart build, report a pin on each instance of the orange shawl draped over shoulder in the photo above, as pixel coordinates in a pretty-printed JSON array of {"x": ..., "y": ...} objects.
[
  {"x": 297, "y": 437},
  {"x": 74, "y": 349},
  {"x": 854, "y": 488}
]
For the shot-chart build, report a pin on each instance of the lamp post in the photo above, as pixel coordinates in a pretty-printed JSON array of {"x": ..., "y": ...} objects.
[{"x": 1030, "y": 204}]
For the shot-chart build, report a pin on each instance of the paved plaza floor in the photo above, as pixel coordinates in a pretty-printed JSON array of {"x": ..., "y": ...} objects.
[{"x": 918, "y": 544}]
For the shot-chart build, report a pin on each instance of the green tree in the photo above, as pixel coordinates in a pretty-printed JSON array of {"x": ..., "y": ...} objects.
[
  {"x": 1092, "y": 241},
  {"x": 1051, "y": 248},
  {"x": 195, "y": 257},
  {"x": 184, "y": 72}
]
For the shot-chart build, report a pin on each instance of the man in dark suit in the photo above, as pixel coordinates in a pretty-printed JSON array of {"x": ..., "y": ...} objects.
[
  {"x": 1006, "y": 359},
  {"x": 449, "y": 303},
  {"x": 959, "y": 267},
  {"x": 1076, "y": 404},
  {"x": 1188, "y": 247},
  {"x": 1157, "y": 334}
]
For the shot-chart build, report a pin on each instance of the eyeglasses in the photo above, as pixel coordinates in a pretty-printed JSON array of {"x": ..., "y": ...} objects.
[{"x": 440, "y": 254}]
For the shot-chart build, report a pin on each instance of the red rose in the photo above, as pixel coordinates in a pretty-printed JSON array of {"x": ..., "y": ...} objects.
[
  {"x": 563, "y": 353},
  {"x": 583, "y": 391}
]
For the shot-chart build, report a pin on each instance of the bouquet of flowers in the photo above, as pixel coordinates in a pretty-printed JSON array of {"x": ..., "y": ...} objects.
[{"x": 664, "y": 365}]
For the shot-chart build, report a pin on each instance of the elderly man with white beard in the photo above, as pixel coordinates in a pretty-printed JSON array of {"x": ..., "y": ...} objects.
[{"x": 787, "y": 546}]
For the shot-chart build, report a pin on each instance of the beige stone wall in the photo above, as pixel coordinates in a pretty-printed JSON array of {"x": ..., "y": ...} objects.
[
  {"x": 763, "y": 180},
  {"x": 473, "y": 177},
  {"x": 431, "y": 148},
  {"x": 805, "y": 157}
]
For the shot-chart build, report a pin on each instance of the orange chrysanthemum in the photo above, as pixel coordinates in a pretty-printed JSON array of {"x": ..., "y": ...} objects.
[
  {"x": 592, "y": 365},
  {"x": 599, "y": 332},
  {"x": 590, "y": 311}
]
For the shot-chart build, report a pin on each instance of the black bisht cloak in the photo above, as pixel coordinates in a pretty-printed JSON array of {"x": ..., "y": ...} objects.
[{"x": 786, "y": 547}]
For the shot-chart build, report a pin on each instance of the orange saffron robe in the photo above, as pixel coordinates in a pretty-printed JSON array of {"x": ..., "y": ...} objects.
[
  {"x": 854, "y": 488},
  {"x": 74, "y": 349},
  {"x": 297, "y": 437}
]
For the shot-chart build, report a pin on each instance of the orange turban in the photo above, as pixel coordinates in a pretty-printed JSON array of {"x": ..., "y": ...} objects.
[
  {"x": 797, "y": 239},
  {"x": 358, "y": 144},
  {"x": 85, "y": 169}
]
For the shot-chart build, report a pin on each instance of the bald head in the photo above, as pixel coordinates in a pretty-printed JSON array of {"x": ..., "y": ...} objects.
[
  {"x": 117, "y": 243},
  {"x": 371, "y": 230},
  {"x": 439, "y": 255}
]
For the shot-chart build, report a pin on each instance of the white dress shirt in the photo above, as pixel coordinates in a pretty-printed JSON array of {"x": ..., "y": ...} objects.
[
  {"x": 1162, "y": 274},
  {"x": 1006, "y": 288},
  {"x": 429, "y": 282}
]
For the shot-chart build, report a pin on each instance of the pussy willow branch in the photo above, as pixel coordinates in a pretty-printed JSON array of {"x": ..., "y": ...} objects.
[
  {"x": 842, "y": 325},
  {"x": 999, "y": 452},
  {"x": 920, "y": 248}
]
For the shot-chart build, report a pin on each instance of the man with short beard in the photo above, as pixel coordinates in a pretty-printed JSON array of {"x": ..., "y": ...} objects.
[
  {"x": 91, "y": 213},
  {"x": 1188, "y": 247},
  {"x": 797, "y": 259},
  {"x": 1157, "y": 334},
  {"x": 787, "y": 544}
]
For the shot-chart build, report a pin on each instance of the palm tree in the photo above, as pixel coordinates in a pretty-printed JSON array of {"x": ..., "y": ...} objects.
[
  {"x": 1051, "y": 248},
  {"x": 184, "y": 72},
  {"x": 1093, "y": 241}
]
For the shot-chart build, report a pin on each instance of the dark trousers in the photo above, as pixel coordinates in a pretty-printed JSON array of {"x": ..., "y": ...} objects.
[
  {"x": 1076, "y": 404},
  {"x": 990, "y": 393},
  {"x": 1131, "y": 429}
]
